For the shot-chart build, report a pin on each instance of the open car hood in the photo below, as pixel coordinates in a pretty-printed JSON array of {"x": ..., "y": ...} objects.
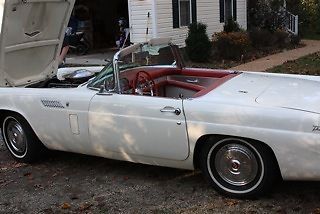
[{"x": 32, "y": 33}]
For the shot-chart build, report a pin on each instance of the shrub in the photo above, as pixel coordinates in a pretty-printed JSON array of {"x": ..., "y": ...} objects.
[
  {"x": 266, "y": 14},
  {"x": 317, "y": 18},
  {"x": 231, "y": 26},
  {"x": 262, "y": 38},
  {"x": 306, "y": 10},
  {"x": 198, "y": 45},
  {"x": 281, "y": 38},
  {"x": 231, "y": 45},
  {"x": 295, "y": 40}
]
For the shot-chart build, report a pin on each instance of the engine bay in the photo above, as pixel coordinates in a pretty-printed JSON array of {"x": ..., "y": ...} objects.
[{"x": 68, "y": 80}]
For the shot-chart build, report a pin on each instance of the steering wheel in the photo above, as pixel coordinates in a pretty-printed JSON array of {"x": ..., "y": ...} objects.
[{"x": 144, "y": 84}]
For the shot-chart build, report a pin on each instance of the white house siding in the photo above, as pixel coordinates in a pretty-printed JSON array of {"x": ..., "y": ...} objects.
[
  {"x": 139, "y": 21},
  {"x": 208, "y": 12},
  {"x": 165, "y": 23}
]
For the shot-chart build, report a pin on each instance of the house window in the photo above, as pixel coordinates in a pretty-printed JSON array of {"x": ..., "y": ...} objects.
[
  {"x": 185, "y": 12},
  {"x": 228, "y": 10}
]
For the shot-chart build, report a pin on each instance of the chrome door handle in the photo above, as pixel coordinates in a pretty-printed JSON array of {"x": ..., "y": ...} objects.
[{"x": 168, "y": 109}]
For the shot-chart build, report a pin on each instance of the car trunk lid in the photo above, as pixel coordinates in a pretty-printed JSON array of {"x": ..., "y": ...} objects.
[
  {"x": 31, "y": 36},
  {"x": 292, "y": 93}
]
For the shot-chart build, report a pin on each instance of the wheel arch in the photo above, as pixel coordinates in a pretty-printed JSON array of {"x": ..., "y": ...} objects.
[
  {"x": 203, "y": 139},
  {"x": 34, "y": 147},
  {"x": 5, "y": 112}
]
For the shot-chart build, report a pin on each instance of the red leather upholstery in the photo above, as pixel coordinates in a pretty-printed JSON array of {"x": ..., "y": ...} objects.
[
  {"x": 158, "y": 72},
  {"x": 180, "y": 84}
]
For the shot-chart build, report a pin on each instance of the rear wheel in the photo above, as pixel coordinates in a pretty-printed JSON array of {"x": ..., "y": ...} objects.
[
  {"x": 238, "y": 168},
  {"x": 20, "y": 139}
]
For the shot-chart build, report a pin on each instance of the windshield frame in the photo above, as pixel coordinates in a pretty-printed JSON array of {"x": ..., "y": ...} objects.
[
  {"x": 131, "y": 49},
  {"x": 116, "y": 59}
]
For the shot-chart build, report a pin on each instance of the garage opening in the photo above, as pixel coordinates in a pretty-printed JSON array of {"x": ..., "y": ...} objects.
[{"x": 99, "y": 20}]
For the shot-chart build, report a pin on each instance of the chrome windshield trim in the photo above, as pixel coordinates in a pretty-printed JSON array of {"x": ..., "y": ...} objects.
[
  {"x": 116, "y": 72},
  {"x": 132, "y": 49},
  {"x": 116, "y": 58}
]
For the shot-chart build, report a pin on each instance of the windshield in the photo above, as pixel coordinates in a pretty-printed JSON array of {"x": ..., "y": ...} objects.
[
  {"x": 102, "y": 76},
  {"x": 148, "y": 55},
  {"x": 134, "y": 57}
]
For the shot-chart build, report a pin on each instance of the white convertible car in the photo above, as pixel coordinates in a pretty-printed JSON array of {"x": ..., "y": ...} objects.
[{"x": 243, "y": 130}]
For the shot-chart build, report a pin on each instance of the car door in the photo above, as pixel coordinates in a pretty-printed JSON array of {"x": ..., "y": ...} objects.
[{"x": 138, "y": 125}]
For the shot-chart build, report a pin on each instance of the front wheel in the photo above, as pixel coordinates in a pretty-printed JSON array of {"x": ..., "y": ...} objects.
[
  {"x": 238, "y": 168},
  {"x": 20, "y": 139}
]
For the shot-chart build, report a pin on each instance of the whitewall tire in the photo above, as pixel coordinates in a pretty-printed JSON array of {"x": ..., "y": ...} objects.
[
  {"x": 20, "y": 139},
  {"x": 238, "y": 168}
]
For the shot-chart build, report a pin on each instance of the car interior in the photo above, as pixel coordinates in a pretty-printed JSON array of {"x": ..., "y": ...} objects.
[
  {"x": 155, "y": 72},
  {"x": 172, "y": 82},
  {"x": 152, "y": 71}
]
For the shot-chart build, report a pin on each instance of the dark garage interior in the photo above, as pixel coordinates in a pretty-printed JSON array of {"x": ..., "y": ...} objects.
[{"x": 99, "y": 20}]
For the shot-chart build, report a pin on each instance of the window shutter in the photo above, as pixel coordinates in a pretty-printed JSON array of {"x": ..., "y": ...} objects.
[
  {"x": 194, "y": 11},
  {"x": 235, "y": 10},
  {"x": 175, "y": 13},
  {"x": 221, "y": 11}
]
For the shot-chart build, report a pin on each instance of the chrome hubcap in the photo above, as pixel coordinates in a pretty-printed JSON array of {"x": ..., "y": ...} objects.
[
  {"x": 236, "y": 164},
  {"x": 16, "y": 136}
]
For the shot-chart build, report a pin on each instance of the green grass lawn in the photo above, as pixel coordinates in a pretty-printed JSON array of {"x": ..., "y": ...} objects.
[
  {"x": 312, "y": 35},
  {"x": 308, "y": 65}
]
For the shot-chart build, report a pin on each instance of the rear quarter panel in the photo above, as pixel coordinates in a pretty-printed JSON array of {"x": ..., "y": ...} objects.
[{"x": 288, "y": 133}]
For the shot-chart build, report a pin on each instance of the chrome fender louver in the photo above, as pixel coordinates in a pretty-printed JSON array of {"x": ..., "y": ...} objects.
[{"x": 52, "y": 104}]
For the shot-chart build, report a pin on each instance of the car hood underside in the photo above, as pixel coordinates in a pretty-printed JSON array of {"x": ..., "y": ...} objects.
[{"x": 31, "y": 37}]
